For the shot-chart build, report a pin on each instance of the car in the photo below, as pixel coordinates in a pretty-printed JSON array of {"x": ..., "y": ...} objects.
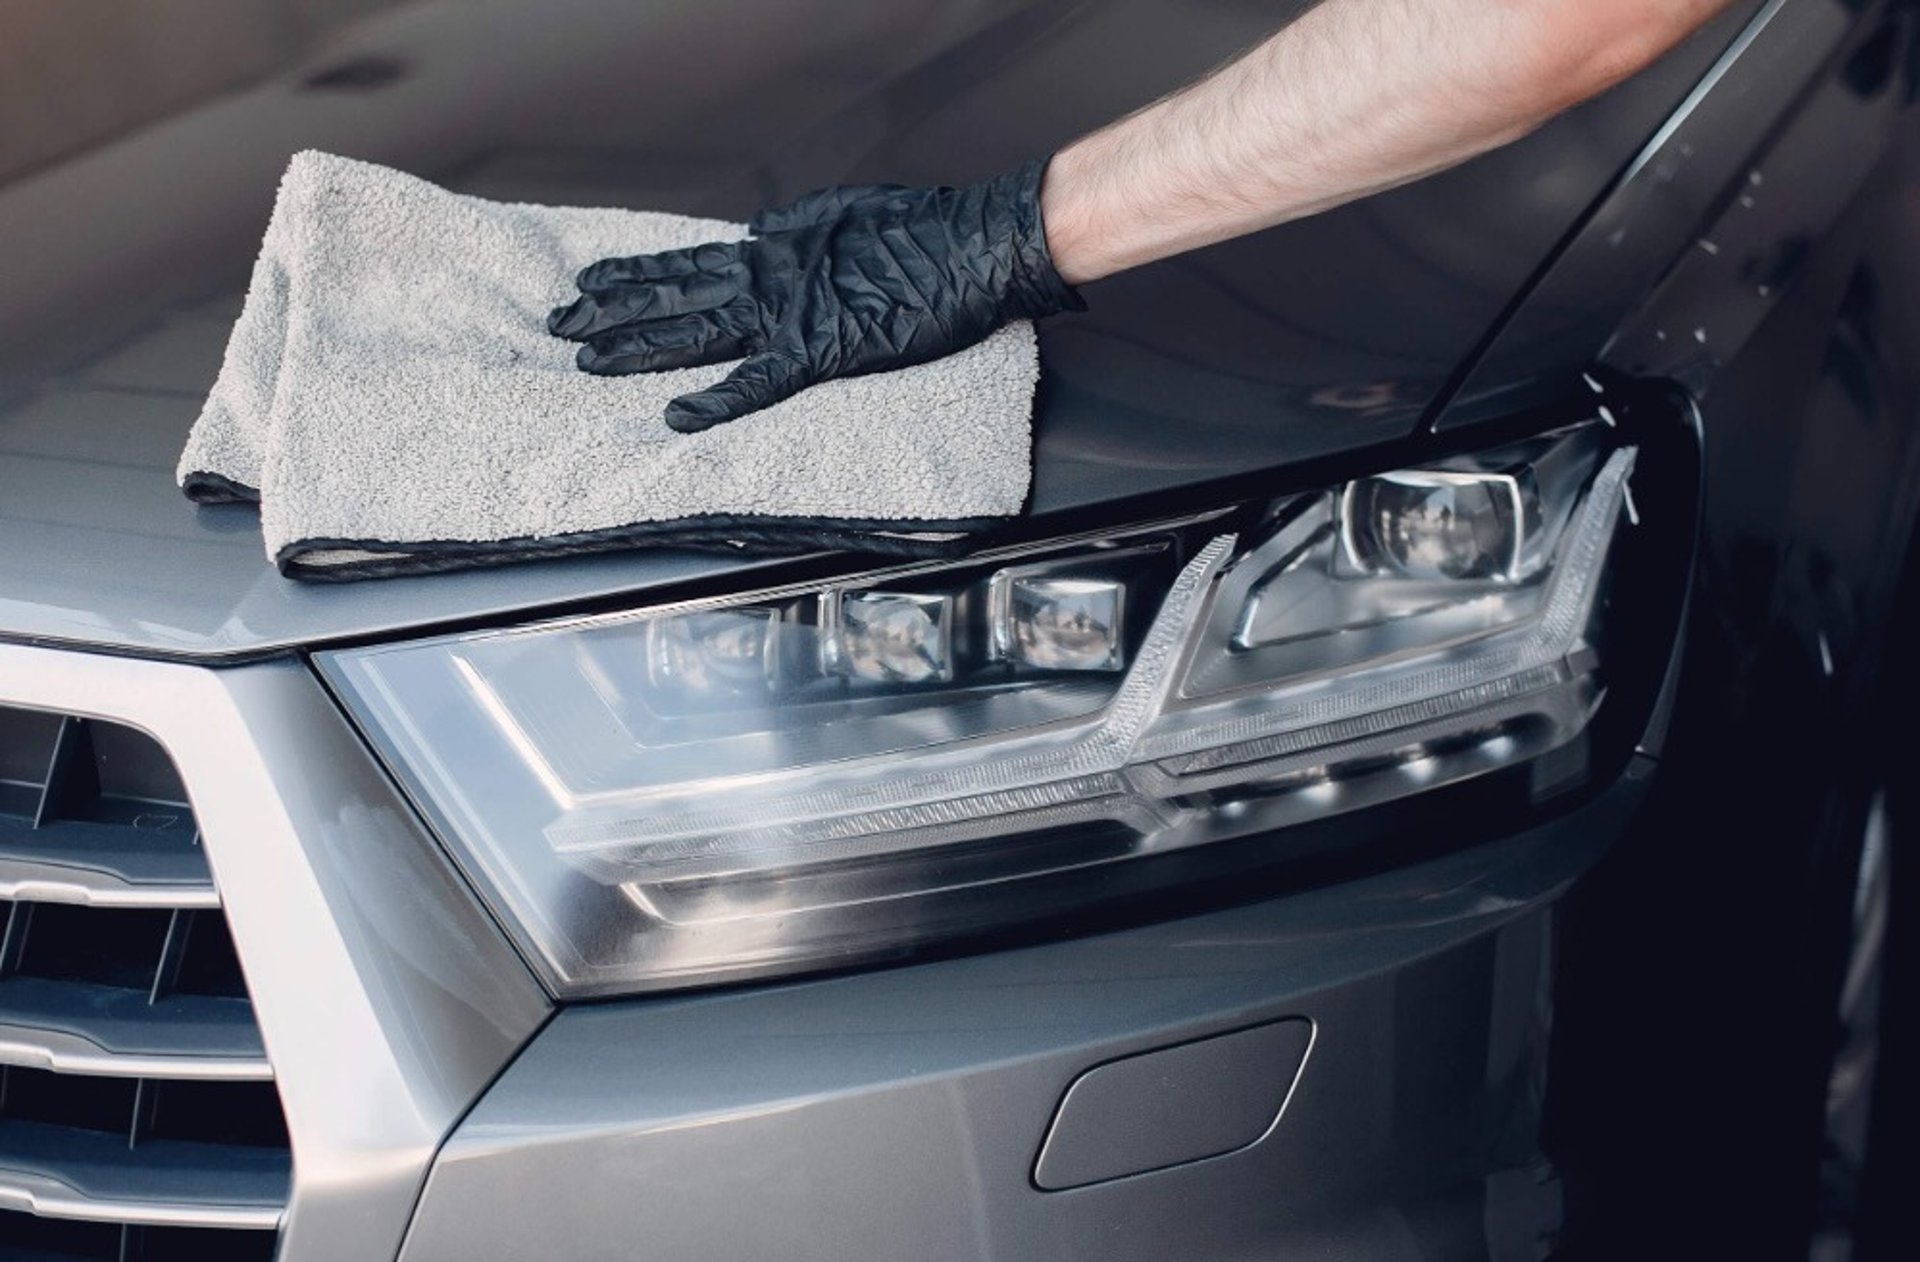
[{"x": 1493, "y": 900}]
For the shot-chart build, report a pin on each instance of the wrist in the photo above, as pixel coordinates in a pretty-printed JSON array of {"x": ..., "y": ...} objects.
[{"x": 1066, "y": 223}]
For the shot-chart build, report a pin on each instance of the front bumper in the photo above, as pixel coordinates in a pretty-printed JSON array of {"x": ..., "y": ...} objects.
[{"x": 898, "y": 1113}]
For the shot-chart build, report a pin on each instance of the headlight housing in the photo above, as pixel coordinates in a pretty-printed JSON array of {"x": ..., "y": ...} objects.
[{"x": 812, "y": 775}]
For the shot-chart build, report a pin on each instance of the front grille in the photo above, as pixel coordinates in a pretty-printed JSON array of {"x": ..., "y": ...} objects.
[{"x": 138, "y": 1116}]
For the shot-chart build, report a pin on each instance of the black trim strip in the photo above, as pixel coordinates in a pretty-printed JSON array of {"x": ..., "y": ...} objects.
[
  {"x": 735, "y": 534},
  {"x": 215, "y": 488}
]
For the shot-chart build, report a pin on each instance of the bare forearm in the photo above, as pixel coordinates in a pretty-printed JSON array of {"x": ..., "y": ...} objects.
[{"x": 1354, "y": 97}]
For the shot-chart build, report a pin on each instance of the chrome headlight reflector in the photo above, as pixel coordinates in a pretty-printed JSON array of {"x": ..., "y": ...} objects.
[{"x": 813, "y": 774}]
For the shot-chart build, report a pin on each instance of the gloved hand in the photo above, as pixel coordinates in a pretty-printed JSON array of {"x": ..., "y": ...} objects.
[{"x": 843, "y": 281}]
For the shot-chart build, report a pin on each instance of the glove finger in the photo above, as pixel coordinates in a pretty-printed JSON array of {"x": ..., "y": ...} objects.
[
  {"x": 611, "y": 306},
  {"x": 655, "y": 346},
  {"x": 818, "y": 206},
  {"x": 664, "y": 265},
  {"x": 760, "y": 382}
]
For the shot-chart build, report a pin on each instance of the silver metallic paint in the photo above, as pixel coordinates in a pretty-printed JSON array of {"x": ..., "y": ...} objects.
[
  {"x": 386, "y": 998},
  {"x": 898, "y": 1113}
]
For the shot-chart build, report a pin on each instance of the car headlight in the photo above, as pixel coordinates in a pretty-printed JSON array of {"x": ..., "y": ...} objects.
[{"x": 811, "y": 775}]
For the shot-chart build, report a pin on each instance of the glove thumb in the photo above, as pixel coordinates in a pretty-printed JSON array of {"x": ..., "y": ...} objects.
[
  {"x": 759, "y": 382},
  {"x": 818, "y": 206}
]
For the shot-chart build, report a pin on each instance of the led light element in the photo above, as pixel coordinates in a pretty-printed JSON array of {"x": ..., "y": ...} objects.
[
  {"x": 1065, "y": 623},
  {"x": 715, "y": 653},
  {"x": 1435, "y": 524},
  {"x": 891, "y": 637},
  {"x": 1275, "y": 585},
  {"x": 1067, "y": 615}
]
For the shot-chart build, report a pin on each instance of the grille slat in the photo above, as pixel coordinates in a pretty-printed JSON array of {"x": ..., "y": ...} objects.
[
  {"x": 99, "y": 866},
  {"x": 72, "y": 1172},
  {"x": 83, "y": 1029},
  {"x": 138, "y": 1118},
  {"x": 92, "y": 813}
]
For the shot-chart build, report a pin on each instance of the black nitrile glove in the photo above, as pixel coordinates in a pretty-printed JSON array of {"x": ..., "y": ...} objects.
[{"x": 843, "y": 281}]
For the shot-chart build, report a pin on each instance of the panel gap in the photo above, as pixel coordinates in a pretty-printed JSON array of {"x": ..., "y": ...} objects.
[
  {"x": 73, "y": 775},
  {"x": 146, "y": 1107},
  {"x": 110, "y": 946},
  {"x": 23, "y": 1236},
  {"x": 166, "y": 973},
  {"x": 26, "y": 748},
  {"x": 208, "y": 962},
  {"x": 139, "y": 786},
  {"x": 215, "y": 1112},
  {"x": 101, "y": 1104},
  {"x": 13, "y": 940}
]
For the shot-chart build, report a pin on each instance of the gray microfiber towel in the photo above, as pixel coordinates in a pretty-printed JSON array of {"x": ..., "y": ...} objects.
[{"x": 392, "y": 400}]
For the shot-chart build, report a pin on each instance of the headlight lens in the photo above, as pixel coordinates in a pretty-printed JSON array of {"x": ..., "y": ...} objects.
[{"x": 812, "y": 775}]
